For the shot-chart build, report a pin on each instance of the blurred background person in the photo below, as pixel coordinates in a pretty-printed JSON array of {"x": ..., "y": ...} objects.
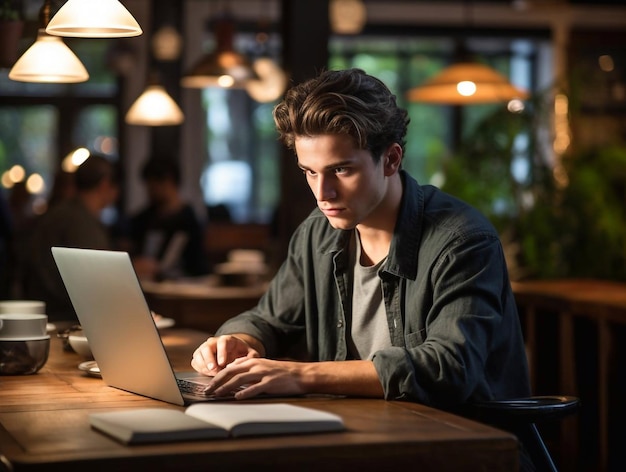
[
  {"x": 166, "y": 237},
  {"x": 74, "y": 221}
]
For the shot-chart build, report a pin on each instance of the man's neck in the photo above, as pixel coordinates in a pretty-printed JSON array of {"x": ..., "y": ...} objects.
[{"x": 377, "y": 232}]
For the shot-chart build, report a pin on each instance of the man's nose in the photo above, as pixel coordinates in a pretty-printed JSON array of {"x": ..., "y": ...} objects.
[{"x": 325, "y": 188}]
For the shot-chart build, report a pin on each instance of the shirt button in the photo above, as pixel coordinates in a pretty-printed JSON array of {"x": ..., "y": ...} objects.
[{"x": 340, "y": 324}]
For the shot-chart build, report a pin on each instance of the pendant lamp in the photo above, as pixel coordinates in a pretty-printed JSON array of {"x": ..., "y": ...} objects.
[
  {"x": 154, "y": 107},
  {"x": 223, "y": 67},
  {"x": 48, "y": 59},
  {"x": 271, "y": 83},
  {"x": 272, "y": 79},
  {"x": 93, "y": 19},
  {"x": 466, "y": 83}
]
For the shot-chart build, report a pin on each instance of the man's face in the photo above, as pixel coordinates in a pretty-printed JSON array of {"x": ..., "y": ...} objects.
[{"x": 346, "y": 182}]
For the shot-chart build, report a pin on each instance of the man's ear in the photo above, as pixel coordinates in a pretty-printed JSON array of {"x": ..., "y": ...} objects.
[{"x": 392, "y": 159}]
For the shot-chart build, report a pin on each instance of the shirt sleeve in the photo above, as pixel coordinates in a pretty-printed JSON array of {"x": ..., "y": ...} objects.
[
  {"x": 278, "y": 320},
  {"x": 470, "y": 336}
]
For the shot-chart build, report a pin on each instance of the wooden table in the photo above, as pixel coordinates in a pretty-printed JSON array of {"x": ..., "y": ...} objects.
[
  {"x": 601, "y": 302},
  {"x": 44, "y": 426},
  {"x": 200, "y": 304}
]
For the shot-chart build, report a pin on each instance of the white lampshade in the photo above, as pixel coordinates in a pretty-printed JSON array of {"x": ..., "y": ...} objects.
[
  {"x": 466, "y": 83},
  {"x": 154, "y": 107},
  {"x": 48, "y": 60},
  {"x": 93, "y": 19}
]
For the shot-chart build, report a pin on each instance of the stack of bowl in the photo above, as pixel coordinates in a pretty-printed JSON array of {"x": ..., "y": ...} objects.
[{"x": 24, "y": 341}]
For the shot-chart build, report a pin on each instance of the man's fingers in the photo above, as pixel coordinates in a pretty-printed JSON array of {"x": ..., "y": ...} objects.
[{"x": 203, "y": 359}]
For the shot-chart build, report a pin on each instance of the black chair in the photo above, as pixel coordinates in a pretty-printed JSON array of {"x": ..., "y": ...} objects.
[{"x": 520, "y": 417}]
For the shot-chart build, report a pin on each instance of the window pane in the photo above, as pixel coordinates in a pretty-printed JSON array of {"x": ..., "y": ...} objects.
[
  {"x": 96, "y": 129},
  {"x": 28, "y": 138},
  {"x": 242, "y": 171}
]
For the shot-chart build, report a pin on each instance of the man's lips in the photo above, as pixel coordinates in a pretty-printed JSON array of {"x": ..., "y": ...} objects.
[{"x": 331, "y": 211}]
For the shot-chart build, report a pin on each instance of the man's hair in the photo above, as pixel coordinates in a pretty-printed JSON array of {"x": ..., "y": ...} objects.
[
  {"x": 161, "y": 168},
  {"x": 347, "y": 102},
  {"x": 93, "y": 171}
]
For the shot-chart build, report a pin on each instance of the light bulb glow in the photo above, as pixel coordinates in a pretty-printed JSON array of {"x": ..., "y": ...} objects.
[
  {"x": 74, "y": 159},
  {"x": 17, "y": 173},
  {"x": 225, "y": 81},
  {"x": 467, "y": 88},
  {"x": 35, "y": 184}
]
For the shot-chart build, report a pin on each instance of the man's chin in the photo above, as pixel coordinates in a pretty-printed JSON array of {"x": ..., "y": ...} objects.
[{"x": 339, "y": 223}]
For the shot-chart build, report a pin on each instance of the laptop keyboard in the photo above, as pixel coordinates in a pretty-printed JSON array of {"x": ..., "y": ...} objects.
[{"x": 194, "y": 388}]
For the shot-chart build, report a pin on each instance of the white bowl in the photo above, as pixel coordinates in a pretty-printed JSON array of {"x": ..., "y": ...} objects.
[{"x": 80, "y": 345}]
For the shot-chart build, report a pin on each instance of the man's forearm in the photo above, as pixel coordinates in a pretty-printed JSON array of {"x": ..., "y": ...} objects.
[{"x": 353, "y": 378}]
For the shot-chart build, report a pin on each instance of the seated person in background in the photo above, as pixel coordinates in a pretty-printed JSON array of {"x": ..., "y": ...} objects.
[
  {"x": 390, "y": 289},
  {"x": 74, "y": 222},
  {"x": 167, "y": 239}
]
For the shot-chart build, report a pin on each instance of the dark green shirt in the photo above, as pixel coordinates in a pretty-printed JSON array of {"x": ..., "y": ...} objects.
[{"x": 452, "y": 318}]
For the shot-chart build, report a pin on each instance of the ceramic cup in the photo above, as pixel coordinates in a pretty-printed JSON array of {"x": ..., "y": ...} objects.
[
  {"x": 22, "y": 306},
  {"x": 22, "y": 326}
]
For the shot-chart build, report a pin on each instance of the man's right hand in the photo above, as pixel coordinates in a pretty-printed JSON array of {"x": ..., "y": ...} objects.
[{"x": 217, "y": 352}]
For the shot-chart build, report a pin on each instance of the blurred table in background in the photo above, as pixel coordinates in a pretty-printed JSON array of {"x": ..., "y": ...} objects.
[
  {"x": 201, "y": 303},
  {"x": 573, "y": 330}
]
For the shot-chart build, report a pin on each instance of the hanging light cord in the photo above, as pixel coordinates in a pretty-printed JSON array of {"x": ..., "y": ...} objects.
[{"x": 44, "y": 14}]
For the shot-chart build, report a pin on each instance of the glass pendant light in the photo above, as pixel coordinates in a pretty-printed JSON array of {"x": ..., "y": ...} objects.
[
  {"x": 48, "y": 59},
  {"x": 154, "y": 107},
  {"x": 223, "y": 67},
  {"x": 93, "y": 19}
]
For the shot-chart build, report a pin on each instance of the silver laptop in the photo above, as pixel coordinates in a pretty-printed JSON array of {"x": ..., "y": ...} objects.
[{"x": 118, "y": 324}]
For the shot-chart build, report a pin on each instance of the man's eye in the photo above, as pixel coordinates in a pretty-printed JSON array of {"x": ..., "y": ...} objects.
[{"x": 341, "y": 170}]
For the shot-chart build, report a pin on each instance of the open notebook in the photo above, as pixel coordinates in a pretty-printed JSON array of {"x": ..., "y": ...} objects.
[{"x": 117, "y": 321}]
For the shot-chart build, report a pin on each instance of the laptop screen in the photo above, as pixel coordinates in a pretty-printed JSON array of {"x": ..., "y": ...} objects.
[{"x": 117, "y": 321}]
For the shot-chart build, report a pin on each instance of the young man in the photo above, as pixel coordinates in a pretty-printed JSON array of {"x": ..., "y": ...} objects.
[
  {"x": 393, "y": 289},
  {"x": 166, "y": 236}
]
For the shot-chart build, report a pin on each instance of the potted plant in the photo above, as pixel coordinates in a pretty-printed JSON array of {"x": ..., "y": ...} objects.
[
  {"x": 548, "y": 230},
  {"x": 11, "y": 26}
]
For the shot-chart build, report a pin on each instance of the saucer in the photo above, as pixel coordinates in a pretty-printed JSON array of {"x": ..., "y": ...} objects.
[
  {"x": 162, "y": 323},
  {"x": 90, "y": 368}
]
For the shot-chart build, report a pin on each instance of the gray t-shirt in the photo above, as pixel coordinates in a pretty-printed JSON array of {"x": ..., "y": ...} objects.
[{"x": 368, "y": 331}]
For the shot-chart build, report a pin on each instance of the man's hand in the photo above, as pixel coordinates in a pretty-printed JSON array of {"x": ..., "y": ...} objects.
[
  {"x": 237, "y": 363},
  {"x": 217, "y": 352},
  {"x": 259, "y": 376}
]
